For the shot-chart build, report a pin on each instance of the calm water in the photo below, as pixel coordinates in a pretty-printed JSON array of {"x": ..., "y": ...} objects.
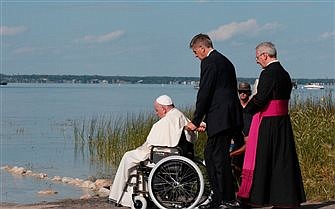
[{"x": 37, "y": 131}]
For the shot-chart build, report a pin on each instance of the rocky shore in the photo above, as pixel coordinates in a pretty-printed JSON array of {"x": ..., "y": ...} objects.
[
  {"x": 97, "y": 198},
  {"x": 95, "y": 187}
]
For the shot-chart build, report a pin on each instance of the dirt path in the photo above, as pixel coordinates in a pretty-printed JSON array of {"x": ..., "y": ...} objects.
[
  {"x": 101, "y": 203},
  {"x": 98, "y": 203}
]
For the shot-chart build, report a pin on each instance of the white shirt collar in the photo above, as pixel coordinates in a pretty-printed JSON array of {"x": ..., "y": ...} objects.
[
  {"x": 210, "y": 52},
  {"x": 272, "y": 62}
]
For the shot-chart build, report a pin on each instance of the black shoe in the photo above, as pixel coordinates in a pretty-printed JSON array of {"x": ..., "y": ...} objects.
[
  {"x": 210, "y": 206},
  {"x": 231, "y": 204},
  {"x": 205, "y": 206},
  {"x": 243, "y": 205},
  {"x": 223, "y": 206}
]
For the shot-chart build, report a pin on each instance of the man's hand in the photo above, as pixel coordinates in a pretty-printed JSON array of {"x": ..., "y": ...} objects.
[
  {"x": 202, "y": 127},
  {"x": 190, "y": 127}
]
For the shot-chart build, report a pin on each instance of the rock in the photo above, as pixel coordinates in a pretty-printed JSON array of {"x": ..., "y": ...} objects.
[
  {"x": 66, "y": 179},
  {"x": 103, "y": 183},
  {"x": 76, "y": 182},
  {"x": 6, "y": 167},
  {"x": 92, "y": 186},
  {"x": 10, "y": 168},
  {"x": 79, "y": 180},
  {"x": 86, "y": 197},
  {"x": 41, "y": 175},
  {"x": 88, "y": 184},
  {"x": 103, "y": 192},
  {"x": 29, "y": 173},
  {"x": 47, "y": 192},
  {"x": 19, "y": 170},
  {"x": 56, "y": 178}
]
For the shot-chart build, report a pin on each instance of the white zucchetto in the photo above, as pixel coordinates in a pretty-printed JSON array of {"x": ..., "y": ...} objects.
[{"x": 164, "y": 100}]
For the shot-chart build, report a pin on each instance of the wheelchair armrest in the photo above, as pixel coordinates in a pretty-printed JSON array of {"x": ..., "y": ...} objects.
[
  {"x": 160, "y": 152},
  {"x": 145, "y": 163}
]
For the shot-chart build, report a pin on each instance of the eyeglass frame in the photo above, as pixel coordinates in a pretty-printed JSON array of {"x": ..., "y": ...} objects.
[
  {"x": 247, "y": 92},
  {"x": 257, "y": 57}
]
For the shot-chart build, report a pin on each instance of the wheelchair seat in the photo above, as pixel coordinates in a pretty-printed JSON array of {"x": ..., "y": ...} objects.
[
  {"x": 184, "y": 148},
  {"x": 160, "y": 152}
]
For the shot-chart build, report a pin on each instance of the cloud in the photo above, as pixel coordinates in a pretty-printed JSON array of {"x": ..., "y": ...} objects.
[
  {"x": 230, "y": 30},
  {"x": 327, "y": 35},
  {"x": 102, "y": 38},
  {"x": 11, "y": 31},
  {"x": 23, "y": 50}
]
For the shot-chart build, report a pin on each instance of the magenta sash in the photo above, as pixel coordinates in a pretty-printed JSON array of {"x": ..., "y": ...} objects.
[{"x": 274, "y": 108}]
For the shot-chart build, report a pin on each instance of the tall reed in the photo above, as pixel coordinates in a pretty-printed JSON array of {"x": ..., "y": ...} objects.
[
  {"x": 106, "y": 139},
  {"x": 313, "y": 122}
]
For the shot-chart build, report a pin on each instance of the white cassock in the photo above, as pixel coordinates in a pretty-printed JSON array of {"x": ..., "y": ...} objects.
[{"x": 165, "y": 132}]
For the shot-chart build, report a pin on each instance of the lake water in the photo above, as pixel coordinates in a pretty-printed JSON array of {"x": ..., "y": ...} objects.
[{"x": 37, "y": 132}]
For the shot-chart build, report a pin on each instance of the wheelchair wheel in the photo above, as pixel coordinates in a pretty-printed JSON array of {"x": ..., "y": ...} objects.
[
  {"x": 176, "y": 182},
  {"x": 139, "y": 203}
]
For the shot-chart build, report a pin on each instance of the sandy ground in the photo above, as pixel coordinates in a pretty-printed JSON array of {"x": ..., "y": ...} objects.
[
  {"x": 101, "y": 203},
  {"x": 98, "y": 203}
]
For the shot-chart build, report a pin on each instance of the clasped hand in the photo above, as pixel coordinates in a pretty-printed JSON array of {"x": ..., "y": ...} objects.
[{"x": 191, "y": 127}]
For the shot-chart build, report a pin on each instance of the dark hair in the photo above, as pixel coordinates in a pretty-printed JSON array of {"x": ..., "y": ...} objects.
[{"x": 203, "y": 39}]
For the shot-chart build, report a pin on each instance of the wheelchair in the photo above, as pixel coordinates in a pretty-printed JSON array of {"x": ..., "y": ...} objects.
[{"x": 171, "y": 178}]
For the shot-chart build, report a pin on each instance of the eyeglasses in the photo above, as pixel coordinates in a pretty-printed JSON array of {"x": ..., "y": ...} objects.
[
  {"x": 244, "y": 92},
  {"x": 195, "y": 50},
  {"x": 257, "y": 57}
]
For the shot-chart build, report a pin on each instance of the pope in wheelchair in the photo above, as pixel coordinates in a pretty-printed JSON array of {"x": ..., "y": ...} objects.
[{"x": 174, "y": 181}]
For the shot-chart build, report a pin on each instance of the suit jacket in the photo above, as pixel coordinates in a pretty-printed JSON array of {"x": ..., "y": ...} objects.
[{"x": 217, "y": 99}]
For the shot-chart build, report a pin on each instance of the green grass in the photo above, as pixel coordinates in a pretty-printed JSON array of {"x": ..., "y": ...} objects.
[
  {"x": 313, "y": 123},
  {"x": 106, "y": 139}
]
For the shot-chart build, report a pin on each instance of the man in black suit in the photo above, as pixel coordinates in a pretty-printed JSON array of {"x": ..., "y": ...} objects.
[{"x": 219, "y": 107}]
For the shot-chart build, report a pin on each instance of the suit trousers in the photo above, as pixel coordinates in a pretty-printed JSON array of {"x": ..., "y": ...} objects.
[{"x": 218, "y": 165}]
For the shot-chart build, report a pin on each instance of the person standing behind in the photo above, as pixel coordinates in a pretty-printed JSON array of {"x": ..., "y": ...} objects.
[
  {"x": 271, "y": 173},
  {"x": 237, "y": 154},
  {"x": 244, "y": 92},
  {"x": 219, "y": 107}
]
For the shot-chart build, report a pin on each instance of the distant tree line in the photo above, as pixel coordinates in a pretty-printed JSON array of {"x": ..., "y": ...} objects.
[{"x": 38, "y": 78}]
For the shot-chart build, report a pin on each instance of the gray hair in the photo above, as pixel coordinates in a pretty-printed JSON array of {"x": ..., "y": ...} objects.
[
  {"x": 267, "y": 47},
  {"x": 201, "y": 39}
]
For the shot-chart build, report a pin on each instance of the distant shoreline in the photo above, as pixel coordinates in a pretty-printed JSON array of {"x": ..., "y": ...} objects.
[{"x": 96, "y": 79}]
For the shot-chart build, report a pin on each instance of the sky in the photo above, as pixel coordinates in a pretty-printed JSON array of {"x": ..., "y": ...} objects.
[{"x": 151, "y": 38}]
